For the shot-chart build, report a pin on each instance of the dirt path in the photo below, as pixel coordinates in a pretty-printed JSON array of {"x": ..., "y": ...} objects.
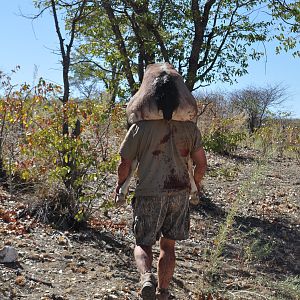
[{"x": 244, "y": 243}]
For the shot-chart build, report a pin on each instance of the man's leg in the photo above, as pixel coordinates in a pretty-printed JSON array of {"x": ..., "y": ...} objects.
[
  {"x": 143, "y": 258},
  {"x": 166, "y": 262}
]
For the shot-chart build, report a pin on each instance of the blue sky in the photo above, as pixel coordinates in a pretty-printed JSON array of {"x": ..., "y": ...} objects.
[{"x": 31, "y": 44}]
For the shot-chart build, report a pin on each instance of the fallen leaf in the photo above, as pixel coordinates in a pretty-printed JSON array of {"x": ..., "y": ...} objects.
[{"x": 20, "y": 280}]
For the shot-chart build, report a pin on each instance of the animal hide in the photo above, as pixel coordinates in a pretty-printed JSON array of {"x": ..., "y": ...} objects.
[{"x": 143, "y": 106}]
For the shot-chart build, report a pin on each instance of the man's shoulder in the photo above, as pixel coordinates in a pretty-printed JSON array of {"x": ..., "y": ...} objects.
[
  {"x": 143, "y": 126},
  {"x": 164, "y": 122},
  {"x": 188, "y": 125},
  {"x": 185, "y": 123},
  {"x": 149, "y": 123}
]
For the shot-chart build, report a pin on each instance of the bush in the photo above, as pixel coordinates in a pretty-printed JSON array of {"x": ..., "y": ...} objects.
[
  {"x": 69, "y": 172},
  {"x": 222, "y": 137},
  {"x": 277, "y": 137}
]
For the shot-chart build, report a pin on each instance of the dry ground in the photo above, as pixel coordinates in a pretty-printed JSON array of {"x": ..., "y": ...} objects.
[{"x": 244, "y": 243}]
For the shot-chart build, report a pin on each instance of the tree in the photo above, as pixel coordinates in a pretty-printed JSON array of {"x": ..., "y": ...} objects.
[
  {"x": 88, "y": 87},
  {"x": 75, "y": 10},
  {"x": 256, "y": 102},
  {"x": 7, "y": 88},
  {"x": 206, "y": 41},
  {"x": 288, "y": 14},
  {"x": 69, "y": 141}
]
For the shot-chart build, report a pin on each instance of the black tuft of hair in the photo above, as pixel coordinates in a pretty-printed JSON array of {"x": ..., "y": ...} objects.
[{"x": 166, "y": 95}]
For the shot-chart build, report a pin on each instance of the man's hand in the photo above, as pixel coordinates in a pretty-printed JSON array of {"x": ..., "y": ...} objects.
[
  {"x": 118, "y": 187},
  {"x": 123, "y": 172},
  {"x": 119, "y": 198}
]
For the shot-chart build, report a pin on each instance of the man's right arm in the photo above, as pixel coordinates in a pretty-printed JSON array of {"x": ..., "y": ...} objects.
[
  {"x": 124, "y": 169},
  {"x": 199, "y": 158},
  {"x": 128, "y": 152}
]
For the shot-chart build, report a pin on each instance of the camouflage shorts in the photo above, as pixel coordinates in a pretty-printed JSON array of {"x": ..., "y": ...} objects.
[{"x": 166, "y": 216}]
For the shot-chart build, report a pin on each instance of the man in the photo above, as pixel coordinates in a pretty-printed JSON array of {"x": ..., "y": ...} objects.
[{"x": 161, "y": 203}]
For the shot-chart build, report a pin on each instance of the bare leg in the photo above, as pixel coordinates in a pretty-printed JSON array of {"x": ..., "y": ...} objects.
[
  {"x": 166, "y": 262},
  {"x": 143, "y": 258}
]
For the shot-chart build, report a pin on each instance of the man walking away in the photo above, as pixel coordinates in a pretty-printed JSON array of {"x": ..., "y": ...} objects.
[{"x": 161, "y": 203}]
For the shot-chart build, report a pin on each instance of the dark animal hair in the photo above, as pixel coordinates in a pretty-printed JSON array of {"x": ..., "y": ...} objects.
[{"x": 166, "y": 95}]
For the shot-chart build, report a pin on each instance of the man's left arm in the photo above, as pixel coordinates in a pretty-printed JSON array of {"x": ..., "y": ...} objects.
[
  {"x": 200, "y": 161},
  {"x": 199, "y": 158}
]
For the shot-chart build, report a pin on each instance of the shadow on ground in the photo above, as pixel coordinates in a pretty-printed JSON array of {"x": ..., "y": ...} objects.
[{"x": 275, "y": 244}]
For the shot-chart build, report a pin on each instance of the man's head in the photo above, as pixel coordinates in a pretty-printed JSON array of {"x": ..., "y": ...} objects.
[{"x": 162, "y": 95}]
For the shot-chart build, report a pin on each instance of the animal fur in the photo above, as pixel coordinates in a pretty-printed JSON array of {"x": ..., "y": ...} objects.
[
  {"x": 143, "y": 105},
  {"x": 166, "y": 95}
]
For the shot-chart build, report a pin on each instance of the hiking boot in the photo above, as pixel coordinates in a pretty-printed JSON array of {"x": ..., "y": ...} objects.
[
  {"x": 148, "y": 286},
  {"x": 162, "y": 294}
]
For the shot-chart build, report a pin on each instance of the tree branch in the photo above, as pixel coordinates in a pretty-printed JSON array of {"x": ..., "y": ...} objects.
[
  {"x": 120, "y": 44},
  {"x": 220, "y": 48},
  {"x": 200, "y": 24},
  {"x": 143, "y": 9}
]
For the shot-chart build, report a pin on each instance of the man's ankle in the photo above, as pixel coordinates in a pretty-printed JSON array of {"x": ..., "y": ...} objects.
[
  {"x": 162, "y": 290},
  {"x": 148, "y": 286},
  {"x": 148, "y": 276},
  {"x": 162, "y": 294}
]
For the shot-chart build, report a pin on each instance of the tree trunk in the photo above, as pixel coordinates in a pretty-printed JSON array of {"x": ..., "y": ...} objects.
[{"x": 3, "y": 174}]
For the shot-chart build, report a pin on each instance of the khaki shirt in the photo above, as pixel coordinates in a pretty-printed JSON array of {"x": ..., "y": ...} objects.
[{"x": 162, "y": 149}]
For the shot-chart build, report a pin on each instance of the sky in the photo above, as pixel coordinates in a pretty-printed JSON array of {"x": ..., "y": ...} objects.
[{"x": 32, "y": 44}]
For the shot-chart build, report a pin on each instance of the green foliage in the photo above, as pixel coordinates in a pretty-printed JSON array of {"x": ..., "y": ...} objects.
[
  {"x": 221, "y": 138},
  {"x": 290, "y": 287},
  {"x": 165, "y": 31},
  {"x": 116, "y": 40},
  {"x": 287, "y": 15},
  {"x": 74, "y": 166},
  {"x": 259, "y": 250},
  {"x": 226, "y": 228},
  {"x": 76, "y": 162},
  {"x": 228, "y": 173},
  {"x": 17, "y": 108}
]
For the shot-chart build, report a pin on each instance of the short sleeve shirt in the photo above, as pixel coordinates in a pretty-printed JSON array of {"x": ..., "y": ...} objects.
[{"x": 162, "y": 149}]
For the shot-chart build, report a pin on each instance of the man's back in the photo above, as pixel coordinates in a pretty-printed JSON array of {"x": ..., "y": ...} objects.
[{"x": 162, "y": 149}]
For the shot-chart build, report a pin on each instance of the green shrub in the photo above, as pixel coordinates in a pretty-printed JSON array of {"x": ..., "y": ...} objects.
[
  {"x": 68, "y": 171},
  {"x": 222, "y": 137}
]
